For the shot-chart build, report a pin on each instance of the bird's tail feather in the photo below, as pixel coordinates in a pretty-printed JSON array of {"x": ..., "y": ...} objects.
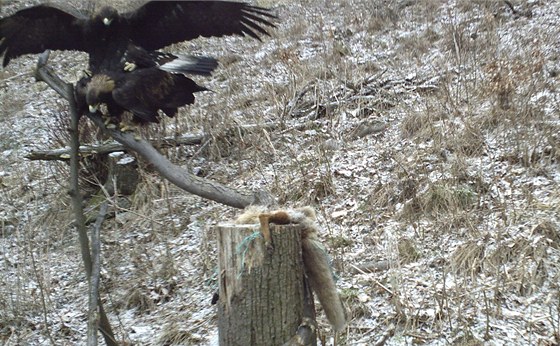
[
  {"x": 182, "y": 93},
  {"x": 188, "y": 64}
]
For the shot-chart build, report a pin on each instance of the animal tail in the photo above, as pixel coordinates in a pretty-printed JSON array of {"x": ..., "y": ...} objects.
[{"x": 321, "y": 279}]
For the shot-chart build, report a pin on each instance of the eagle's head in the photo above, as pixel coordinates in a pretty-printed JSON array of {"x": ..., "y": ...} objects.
[
  {"x": 107, "y": 15},
  {"x": 98, "y": 90}
]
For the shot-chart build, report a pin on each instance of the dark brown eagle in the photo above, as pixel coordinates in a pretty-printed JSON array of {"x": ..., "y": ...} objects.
[
  {"x": 106, "y": 34},
  {"x": 150, "y": 82},
  {"x": 142, "y": 92}
]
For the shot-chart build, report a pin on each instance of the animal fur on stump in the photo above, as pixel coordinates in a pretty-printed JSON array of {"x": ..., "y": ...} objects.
[
  {"x": 315, "y": 258},
  {"x": 261, "y": 294},
  {"x": 236, "y": 303}
]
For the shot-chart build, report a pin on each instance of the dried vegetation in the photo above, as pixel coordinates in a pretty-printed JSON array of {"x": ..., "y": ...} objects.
[{"x": 426, "y": 134}]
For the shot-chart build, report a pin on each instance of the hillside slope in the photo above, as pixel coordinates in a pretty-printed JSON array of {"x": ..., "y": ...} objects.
[{"x": 425, "y": 133}]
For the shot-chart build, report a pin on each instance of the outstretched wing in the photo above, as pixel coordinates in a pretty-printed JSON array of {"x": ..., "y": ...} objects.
[
  {"x": 38, "y": 28},
  {"x": 160, "y": 23}
]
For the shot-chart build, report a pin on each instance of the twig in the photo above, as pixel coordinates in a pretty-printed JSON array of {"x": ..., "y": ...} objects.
[
  {"x": 79, "y": 217},
  {"x": 14, "y": 77},
  {"x": 293, "y": 103},
  {"x": 95, "y": 274},
  {"x": 510, "y": 5},
  {"x": 359, "y": 270},
  {"x": 63, "y": 154},
  {"x": 388, "y": 333},
  {"x": 40, "y": 282}
]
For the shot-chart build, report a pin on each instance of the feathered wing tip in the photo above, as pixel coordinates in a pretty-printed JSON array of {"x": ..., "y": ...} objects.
[
  {"x": 188, "y": 64},
  {"x": 32, "y": 30},
  {"x": 184, "y": 91},
  {"x": 181, "y": 94},
  {"x": 187, "y": 85},
  {"x": 254, "y": 17},
  {"x": 138, "y": 57}
]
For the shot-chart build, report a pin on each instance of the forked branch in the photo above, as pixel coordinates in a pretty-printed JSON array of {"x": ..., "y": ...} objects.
[{"x": 66, "y": 90}]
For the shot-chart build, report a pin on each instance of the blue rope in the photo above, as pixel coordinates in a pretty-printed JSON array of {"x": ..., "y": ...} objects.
[{"x": 243, "y": 247}]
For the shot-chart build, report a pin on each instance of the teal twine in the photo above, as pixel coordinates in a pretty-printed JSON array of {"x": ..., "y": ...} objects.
[{"x": 243, "y": 247}]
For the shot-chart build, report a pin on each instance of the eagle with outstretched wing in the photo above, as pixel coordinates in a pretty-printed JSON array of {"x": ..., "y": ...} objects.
[{"x": 106, "y": 34}]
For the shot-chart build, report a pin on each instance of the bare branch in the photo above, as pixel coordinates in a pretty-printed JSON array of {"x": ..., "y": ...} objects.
[
  {"x": 189, "y": 182},
  {"x": 63, "y": 154},
  {"x": 46, "y": 74},
  {"x": 67, "y": 91},
  {"x": 93, "y": 319}
]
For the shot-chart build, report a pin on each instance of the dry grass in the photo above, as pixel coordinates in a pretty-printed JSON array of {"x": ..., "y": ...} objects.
[{"x": 425, "y": 133}]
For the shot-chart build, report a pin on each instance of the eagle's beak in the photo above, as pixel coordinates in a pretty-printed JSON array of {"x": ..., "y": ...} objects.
[
  {"x": 93, "y": 108},
  {"x": 107, "y": 21}
]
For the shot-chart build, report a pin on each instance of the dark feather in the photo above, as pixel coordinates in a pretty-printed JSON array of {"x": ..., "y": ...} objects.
[
  {"x": 160, "y": 23},
  {"x": 145, "y": 91},
  {"x": 80, "y": 91},
  {"x": 35, "y": 29}
]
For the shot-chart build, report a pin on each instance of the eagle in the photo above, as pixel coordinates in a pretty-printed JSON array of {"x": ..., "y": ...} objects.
[
  {"x": 142, "y": 92},
  {"x": 150, "y": 81},
  {"x": 106, "y": 34}
]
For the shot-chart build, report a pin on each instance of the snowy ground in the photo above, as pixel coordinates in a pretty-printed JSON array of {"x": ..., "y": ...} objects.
[{"x": 425, "y": 133}]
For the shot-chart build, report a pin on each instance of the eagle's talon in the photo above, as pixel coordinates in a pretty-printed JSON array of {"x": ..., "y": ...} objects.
[
  {"x": 126, "y": 127},
  {"x": 129, "y": 66}
]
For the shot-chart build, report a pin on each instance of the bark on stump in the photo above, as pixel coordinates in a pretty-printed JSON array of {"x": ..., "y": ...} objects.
[
  {"x": 261, "y": 293},
  {"x": 123, "y": 174}
]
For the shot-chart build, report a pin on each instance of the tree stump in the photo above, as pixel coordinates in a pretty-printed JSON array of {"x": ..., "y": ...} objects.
[
  {"x": 123, "y": 174},
  {"x": 261, "y": 295}
]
